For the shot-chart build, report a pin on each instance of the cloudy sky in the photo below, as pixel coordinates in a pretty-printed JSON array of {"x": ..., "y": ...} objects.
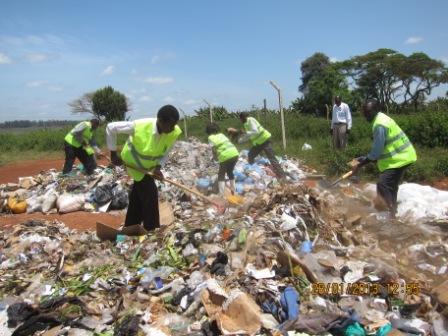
[{"x": 181, "y": 52}]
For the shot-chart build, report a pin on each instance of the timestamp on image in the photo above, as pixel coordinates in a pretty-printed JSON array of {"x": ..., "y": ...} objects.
[{"x": 364, "y": 288}]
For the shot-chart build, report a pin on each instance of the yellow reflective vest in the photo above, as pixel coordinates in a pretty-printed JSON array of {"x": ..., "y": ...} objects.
[
  {"x": 225, "y": 149},
  {"x": 87, "y": 135},
  {"x": 144, "y": 149},
  {"x": 398, "y": 150},
  {"x": 262, "y": 134}
]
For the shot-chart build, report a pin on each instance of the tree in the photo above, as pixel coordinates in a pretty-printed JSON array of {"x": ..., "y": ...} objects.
[
  {"x": 83, "y": 104},
  {"x": 105, "y": 103},
  {"x": 420, "y": 74},
  {"x": 110, "y": 104},
  {"x": 312, "y": 67}
]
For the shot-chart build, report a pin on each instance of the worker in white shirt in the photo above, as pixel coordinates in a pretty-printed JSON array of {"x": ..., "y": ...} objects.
[
  {"x": 147, "y": 148},
  {"x": 341, "y": 123}
]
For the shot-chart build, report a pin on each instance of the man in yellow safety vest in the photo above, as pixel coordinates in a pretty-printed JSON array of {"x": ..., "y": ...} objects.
[
  {"x": 226, "y": 153},
  {"x": 80, "y": 143},
  {"x": 149, "y": 142},
  {"x": 392, "y": 150},
  {"x": 260, "y": 139}
]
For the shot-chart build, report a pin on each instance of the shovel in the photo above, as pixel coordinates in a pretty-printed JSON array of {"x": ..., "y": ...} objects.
[
  {"x": 327, "y": 185},
  {"x": 220, "y": 204}
]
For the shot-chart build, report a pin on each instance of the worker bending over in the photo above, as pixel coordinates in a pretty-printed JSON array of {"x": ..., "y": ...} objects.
[
  {"x": 149, "y": 142},
  {"x": 80, "y": 143},
  {"x": 260, "y": 139},
  {"x": 226, "y": 154},
  {"x": 392, "y": 150}
]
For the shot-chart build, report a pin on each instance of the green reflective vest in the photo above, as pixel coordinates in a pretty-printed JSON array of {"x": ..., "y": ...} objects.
[
  {"x": 144, "y": 149},
  {"x": 87, "y": 135},
  {"x": 398, "y": 150},
  {"x": 261, "y": 136},
  {"x": 225, "y": 149}
]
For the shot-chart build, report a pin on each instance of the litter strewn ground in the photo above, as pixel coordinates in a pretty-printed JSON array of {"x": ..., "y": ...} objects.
[{"x": 290, "y": 260}]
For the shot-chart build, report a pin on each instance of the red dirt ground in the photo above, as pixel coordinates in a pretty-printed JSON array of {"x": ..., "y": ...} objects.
[{"x": 76, "y": 220}]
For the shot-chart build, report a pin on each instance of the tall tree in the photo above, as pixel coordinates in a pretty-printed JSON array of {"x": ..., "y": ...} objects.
[
  {"x": 420, "y": 74},
  {"x": 110, "y": 104},
  {"x": 312, "y": 67}
]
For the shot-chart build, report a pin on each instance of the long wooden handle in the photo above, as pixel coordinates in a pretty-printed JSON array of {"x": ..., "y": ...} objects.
[
  {"x": 175, "y": 183},
  {"x": 343, "y": 177}
]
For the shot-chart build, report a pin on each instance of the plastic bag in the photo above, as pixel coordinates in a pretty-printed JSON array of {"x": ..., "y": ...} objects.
[
  {"x": 120, "y": 198},
  {"x": 16, "y": 205},
  {"x": 306, "y": 147},
  {"x": 103, "y": 194},
  {"x": 69, "y": 203},
  {"x": 49, "y": 202}
]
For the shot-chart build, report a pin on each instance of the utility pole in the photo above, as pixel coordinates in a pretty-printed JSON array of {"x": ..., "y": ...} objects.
[
  {"x": 280, "y": 106},
  {"x": 185, "y": 123},
  {"x": 210, "y": 109}
]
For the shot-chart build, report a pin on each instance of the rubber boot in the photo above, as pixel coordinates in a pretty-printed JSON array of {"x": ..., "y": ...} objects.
[
  {"x": 232, "y": 186},
  {"x": 222, "y": 187}
]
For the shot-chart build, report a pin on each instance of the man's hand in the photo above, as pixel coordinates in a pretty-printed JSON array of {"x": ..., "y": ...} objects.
[
  {"x": 115, "y": 159},
  {"x": 232, "y": 131},
  {"x": 358, "y": 162},
  {"x": 157, "y": 173}
]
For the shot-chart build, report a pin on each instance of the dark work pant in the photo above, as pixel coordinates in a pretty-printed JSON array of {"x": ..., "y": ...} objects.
[
  {"x": 387, "y": 187},
  {"x": 144, "y": 204},
  {"x": 227, "y": 167},
  {"x": 71, "y": 153},
  {"x": 267, "y": 148}
]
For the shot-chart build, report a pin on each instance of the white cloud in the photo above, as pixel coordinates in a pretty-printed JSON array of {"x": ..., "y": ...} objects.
[
  {"x": 4, "y": 59},
  {"x": 145, "y": 98},
  {"x": 36, "y": 57},
  {"x": 190, "y": 102},
  {"x": 413, "y": 40},
  {"x": 168, "y": 99},
  {"x": 55, "y": 88},
  {"x": 133, "y": 72},
  {"x": 159, "y": 80},
  {"x": 36, "y": 83},
  {"x": 108, "y": 71},
  {"x": 333, "y": 59}
]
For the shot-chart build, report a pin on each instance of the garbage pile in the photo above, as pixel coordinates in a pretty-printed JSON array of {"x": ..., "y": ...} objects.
[{"x": 289, "y": 261}]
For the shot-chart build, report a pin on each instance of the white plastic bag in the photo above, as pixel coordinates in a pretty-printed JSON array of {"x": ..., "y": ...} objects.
[{"x": 70, "y": 203}]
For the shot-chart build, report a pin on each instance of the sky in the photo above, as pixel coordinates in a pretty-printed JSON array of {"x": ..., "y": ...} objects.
[{"x": 182, "y": 52}]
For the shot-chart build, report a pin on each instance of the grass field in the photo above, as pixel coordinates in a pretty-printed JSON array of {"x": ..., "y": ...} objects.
[{"x": 429, "y": 139}]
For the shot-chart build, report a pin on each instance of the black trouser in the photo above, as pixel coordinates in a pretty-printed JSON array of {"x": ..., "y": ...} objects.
[
  {"x": 71, "y": 153},
  {"x": 387, "y": 187},
  {"x": 267, "y": 148},
  {"x": 144, "y": 204},
  {"x": 227, "y": 167}
]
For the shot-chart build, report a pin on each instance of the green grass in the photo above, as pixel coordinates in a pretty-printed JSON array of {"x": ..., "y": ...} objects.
[{"x": 428, "y": 131}]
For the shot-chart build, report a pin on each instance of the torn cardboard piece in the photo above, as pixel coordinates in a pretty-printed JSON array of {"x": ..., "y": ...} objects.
[{"x": 107, "y": 232}]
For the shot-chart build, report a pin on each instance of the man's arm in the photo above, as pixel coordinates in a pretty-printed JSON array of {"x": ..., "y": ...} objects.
[
  {"x": 379, "y": 141},
  {"x": 250, "y": 132},
  {"x": 115, "y": 128},
  {"x": 349, "y": 118}
]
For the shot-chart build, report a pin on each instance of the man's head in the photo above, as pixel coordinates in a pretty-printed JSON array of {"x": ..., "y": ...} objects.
[
  {"x": 370, "y": 109},
  {"x": 95, "y": 123},
  {"x": 212, "y": 128},
  {"x": 337, "y": 100},
  {"x": 243, "y": 116},
  {"x": 167, "y": 118}
]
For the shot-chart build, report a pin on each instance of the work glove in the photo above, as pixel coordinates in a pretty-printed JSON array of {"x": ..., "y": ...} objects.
[
  {"x": 359, "y": 162},
  {"x": 157, "y": 173},
  {"x": 115, "y": 159}
]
